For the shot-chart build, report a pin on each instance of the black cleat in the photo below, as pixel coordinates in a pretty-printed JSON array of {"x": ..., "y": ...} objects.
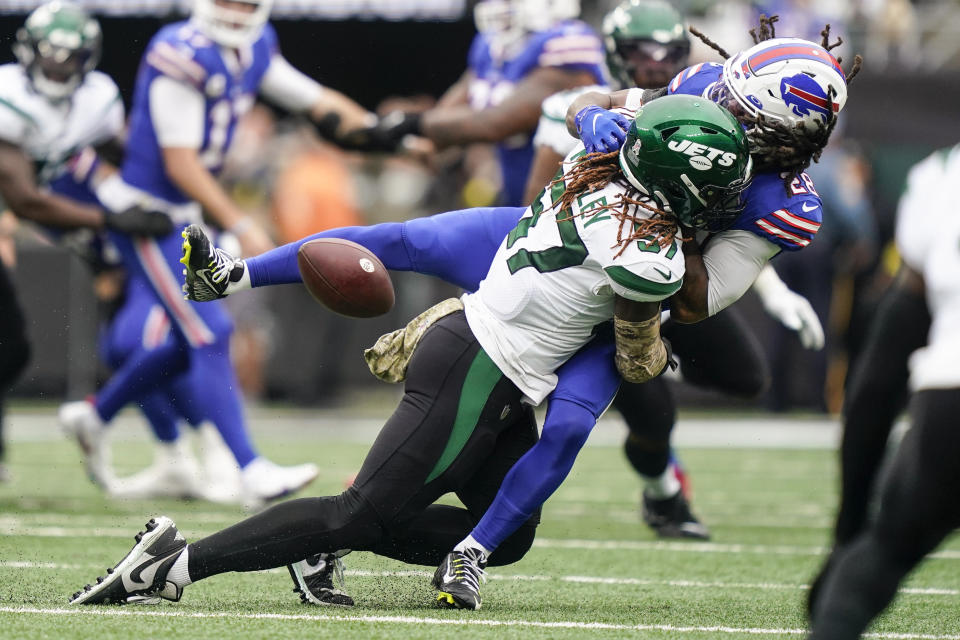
[
  {"x": 672, "y": 518},
  {"x": 314, "y": 578},
  {"x": 209, "y": 271},
  {"x": 141, "y": 575},
  {"x": 458, "y": 579}
]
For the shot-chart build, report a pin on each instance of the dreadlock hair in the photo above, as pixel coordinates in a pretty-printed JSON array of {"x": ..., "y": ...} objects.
[
  {"x": 595, "y": 171},
  {"x": 776, "y": 146}
]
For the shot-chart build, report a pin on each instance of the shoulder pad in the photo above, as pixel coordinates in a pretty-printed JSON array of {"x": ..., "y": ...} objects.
[
  {"x": 789, "y": 220},
  {"x": 695, "y": 80}
]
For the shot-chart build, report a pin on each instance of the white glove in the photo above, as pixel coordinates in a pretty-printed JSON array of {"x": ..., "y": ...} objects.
[{"x": 790, "y": 308}]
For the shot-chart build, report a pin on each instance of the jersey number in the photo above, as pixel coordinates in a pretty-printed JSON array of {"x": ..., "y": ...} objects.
[{"x": 570, "y": 254}]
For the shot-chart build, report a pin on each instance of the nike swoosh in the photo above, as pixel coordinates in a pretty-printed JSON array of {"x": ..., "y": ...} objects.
[
  {"x": 595, "y": 123},
  {"x": 144, "y": 573},
  {"x": 447, "y": 576},
  {"x": 666, "y": 276},
  {"x": 812, "y": 207}
]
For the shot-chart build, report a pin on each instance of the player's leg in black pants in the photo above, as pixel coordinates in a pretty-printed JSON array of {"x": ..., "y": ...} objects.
[
  {"x": 455, "y": 407},
  {"x": 719, "y": 353},
  {"x": 14, "y": 347},
  {"x": 435, "y": 531},
  {"x": 876, "y": 395},
  {"x": 918, "y": 509}
]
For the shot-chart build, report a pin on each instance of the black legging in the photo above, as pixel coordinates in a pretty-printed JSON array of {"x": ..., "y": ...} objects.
[
  {"x": 718, "y": 353},
  {"x": 460, "y": 426},
  {"x": 14, "y": 347},
  {"x": 919, "y": 507}
]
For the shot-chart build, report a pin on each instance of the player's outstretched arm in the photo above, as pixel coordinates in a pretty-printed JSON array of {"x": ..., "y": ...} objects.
[
  {"x": 456, "y": 246},
  {"x": 18, "y": 188},
  {"x": 518, "y": 113},
  {"x": 640, "y": 354},
  {"x": 334, "y": 113}
]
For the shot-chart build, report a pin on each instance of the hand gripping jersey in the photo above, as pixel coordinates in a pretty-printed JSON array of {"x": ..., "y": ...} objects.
[
  {"x": 228, "y": 82},
  {"x": 928, "y": 238},
  {"x": 788, "y": 220},
  {"x": 56, "y": 136},
  {"x": 570, "y": 45},
  {"x": 554, "y": 279}
]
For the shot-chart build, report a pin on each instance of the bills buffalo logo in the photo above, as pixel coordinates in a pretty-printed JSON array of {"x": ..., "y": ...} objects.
[{"x": 805, "y": 97}]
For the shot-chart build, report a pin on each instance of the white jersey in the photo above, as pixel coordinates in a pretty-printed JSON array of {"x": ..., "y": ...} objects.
[
  {"x": 554, "y": 279},
  {"x": 928, "y": 238},
  {"x": 552, "y": 128},
  {"x": 51, "y": 133}
]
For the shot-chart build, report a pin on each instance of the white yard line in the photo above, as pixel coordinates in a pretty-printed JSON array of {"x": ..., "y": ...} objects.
[
  {"x": 459, "y": 622},
  {"x": 685, "y": 584}
]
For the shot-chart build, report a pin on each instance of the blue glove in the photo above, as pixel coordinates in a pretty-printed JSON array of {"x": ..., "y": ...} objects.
[{"x": 601, "y": 130}]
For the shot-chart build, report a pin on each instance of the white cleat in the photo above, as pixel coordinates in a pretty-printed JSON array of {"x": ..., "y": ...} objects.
[
  {"x": 174, "y": 473},
  {"x": 81, "y": 421},
  {"x": 263, "y": 480}
]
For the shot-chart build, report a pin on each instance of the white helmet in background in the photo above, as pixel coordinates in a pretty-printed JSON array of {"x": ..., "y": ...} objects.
[
  {"x": 506, "y": 22},
  {"x": 788, "y": 80},
  {"x": 232, "y": 23}
]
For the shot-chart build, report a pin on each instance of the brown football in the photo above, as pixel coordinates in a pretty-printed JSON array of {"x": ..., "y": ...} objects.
[{"x": 345, "y": 277}]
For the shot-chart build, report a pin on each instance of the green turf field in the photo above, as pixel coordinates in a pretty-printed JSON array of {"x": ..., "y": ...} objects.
[{"x": 594, "y": 572}]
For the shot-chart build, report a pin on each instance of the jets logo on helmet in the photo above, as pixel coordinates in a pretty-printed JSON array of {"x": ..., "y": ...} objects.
[
  {"x": 231, "y": 23},
  {"x": 691, "y": 156},
  {"x": 788, "y": 80}
]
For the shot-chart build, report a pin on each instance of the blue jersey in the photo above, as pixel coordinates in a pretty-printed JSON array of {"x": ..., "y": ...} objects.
[
  {"x": 570, "y": 46},
  {"x": 789, "y": 220},
  {"x": 229, "y": 84}
]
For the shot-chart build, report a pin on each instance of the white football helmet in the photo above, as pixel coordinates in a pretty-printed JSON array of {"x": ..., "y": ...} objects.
[
  {"x": 508, "y": 21},
  {"x": 229, "y": 25},
  {"x": 788, "y": 80}
]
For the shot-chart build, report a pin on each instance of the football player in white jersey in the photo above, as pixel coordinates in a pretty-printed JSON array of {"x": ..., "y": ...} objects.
[
  {"x": 54, "y": 108},
  {"x": 602, "y": 243},
  {"x": 918, "y": 499},
  {"x": 647, "y": 46}
]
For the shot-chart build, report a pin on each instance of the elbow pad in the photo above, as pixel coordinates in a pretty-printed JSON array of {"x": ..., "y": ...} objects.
[{"x": 641, "y": 354}]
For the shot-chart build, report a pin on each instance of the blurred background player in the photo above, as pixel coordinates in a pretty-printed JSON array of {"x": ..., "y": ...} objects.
[
  {"x": 524, "y": 51},
  {"x": 647, "y": 46},
  {"x": 54, "y": 108},
  {"x": 918, "y": 497},
  {"x": 196, "y": 79}
]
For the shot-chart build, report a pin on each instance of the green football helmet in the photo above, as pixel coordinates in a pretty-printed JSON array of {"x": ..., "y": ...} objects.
[
  {"x": 691, "y": 156},
  {"x": 646, "y": 43},
  {"x": 58, "y": 45}
]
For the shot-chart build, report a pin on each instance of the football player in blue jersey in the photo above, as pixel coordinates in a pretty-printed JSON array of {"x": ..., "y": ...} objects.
[
  {"x": 647, "y": 46},
  {"x": 525, "y": 51},
  {"x": 195, "y": 81}
]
